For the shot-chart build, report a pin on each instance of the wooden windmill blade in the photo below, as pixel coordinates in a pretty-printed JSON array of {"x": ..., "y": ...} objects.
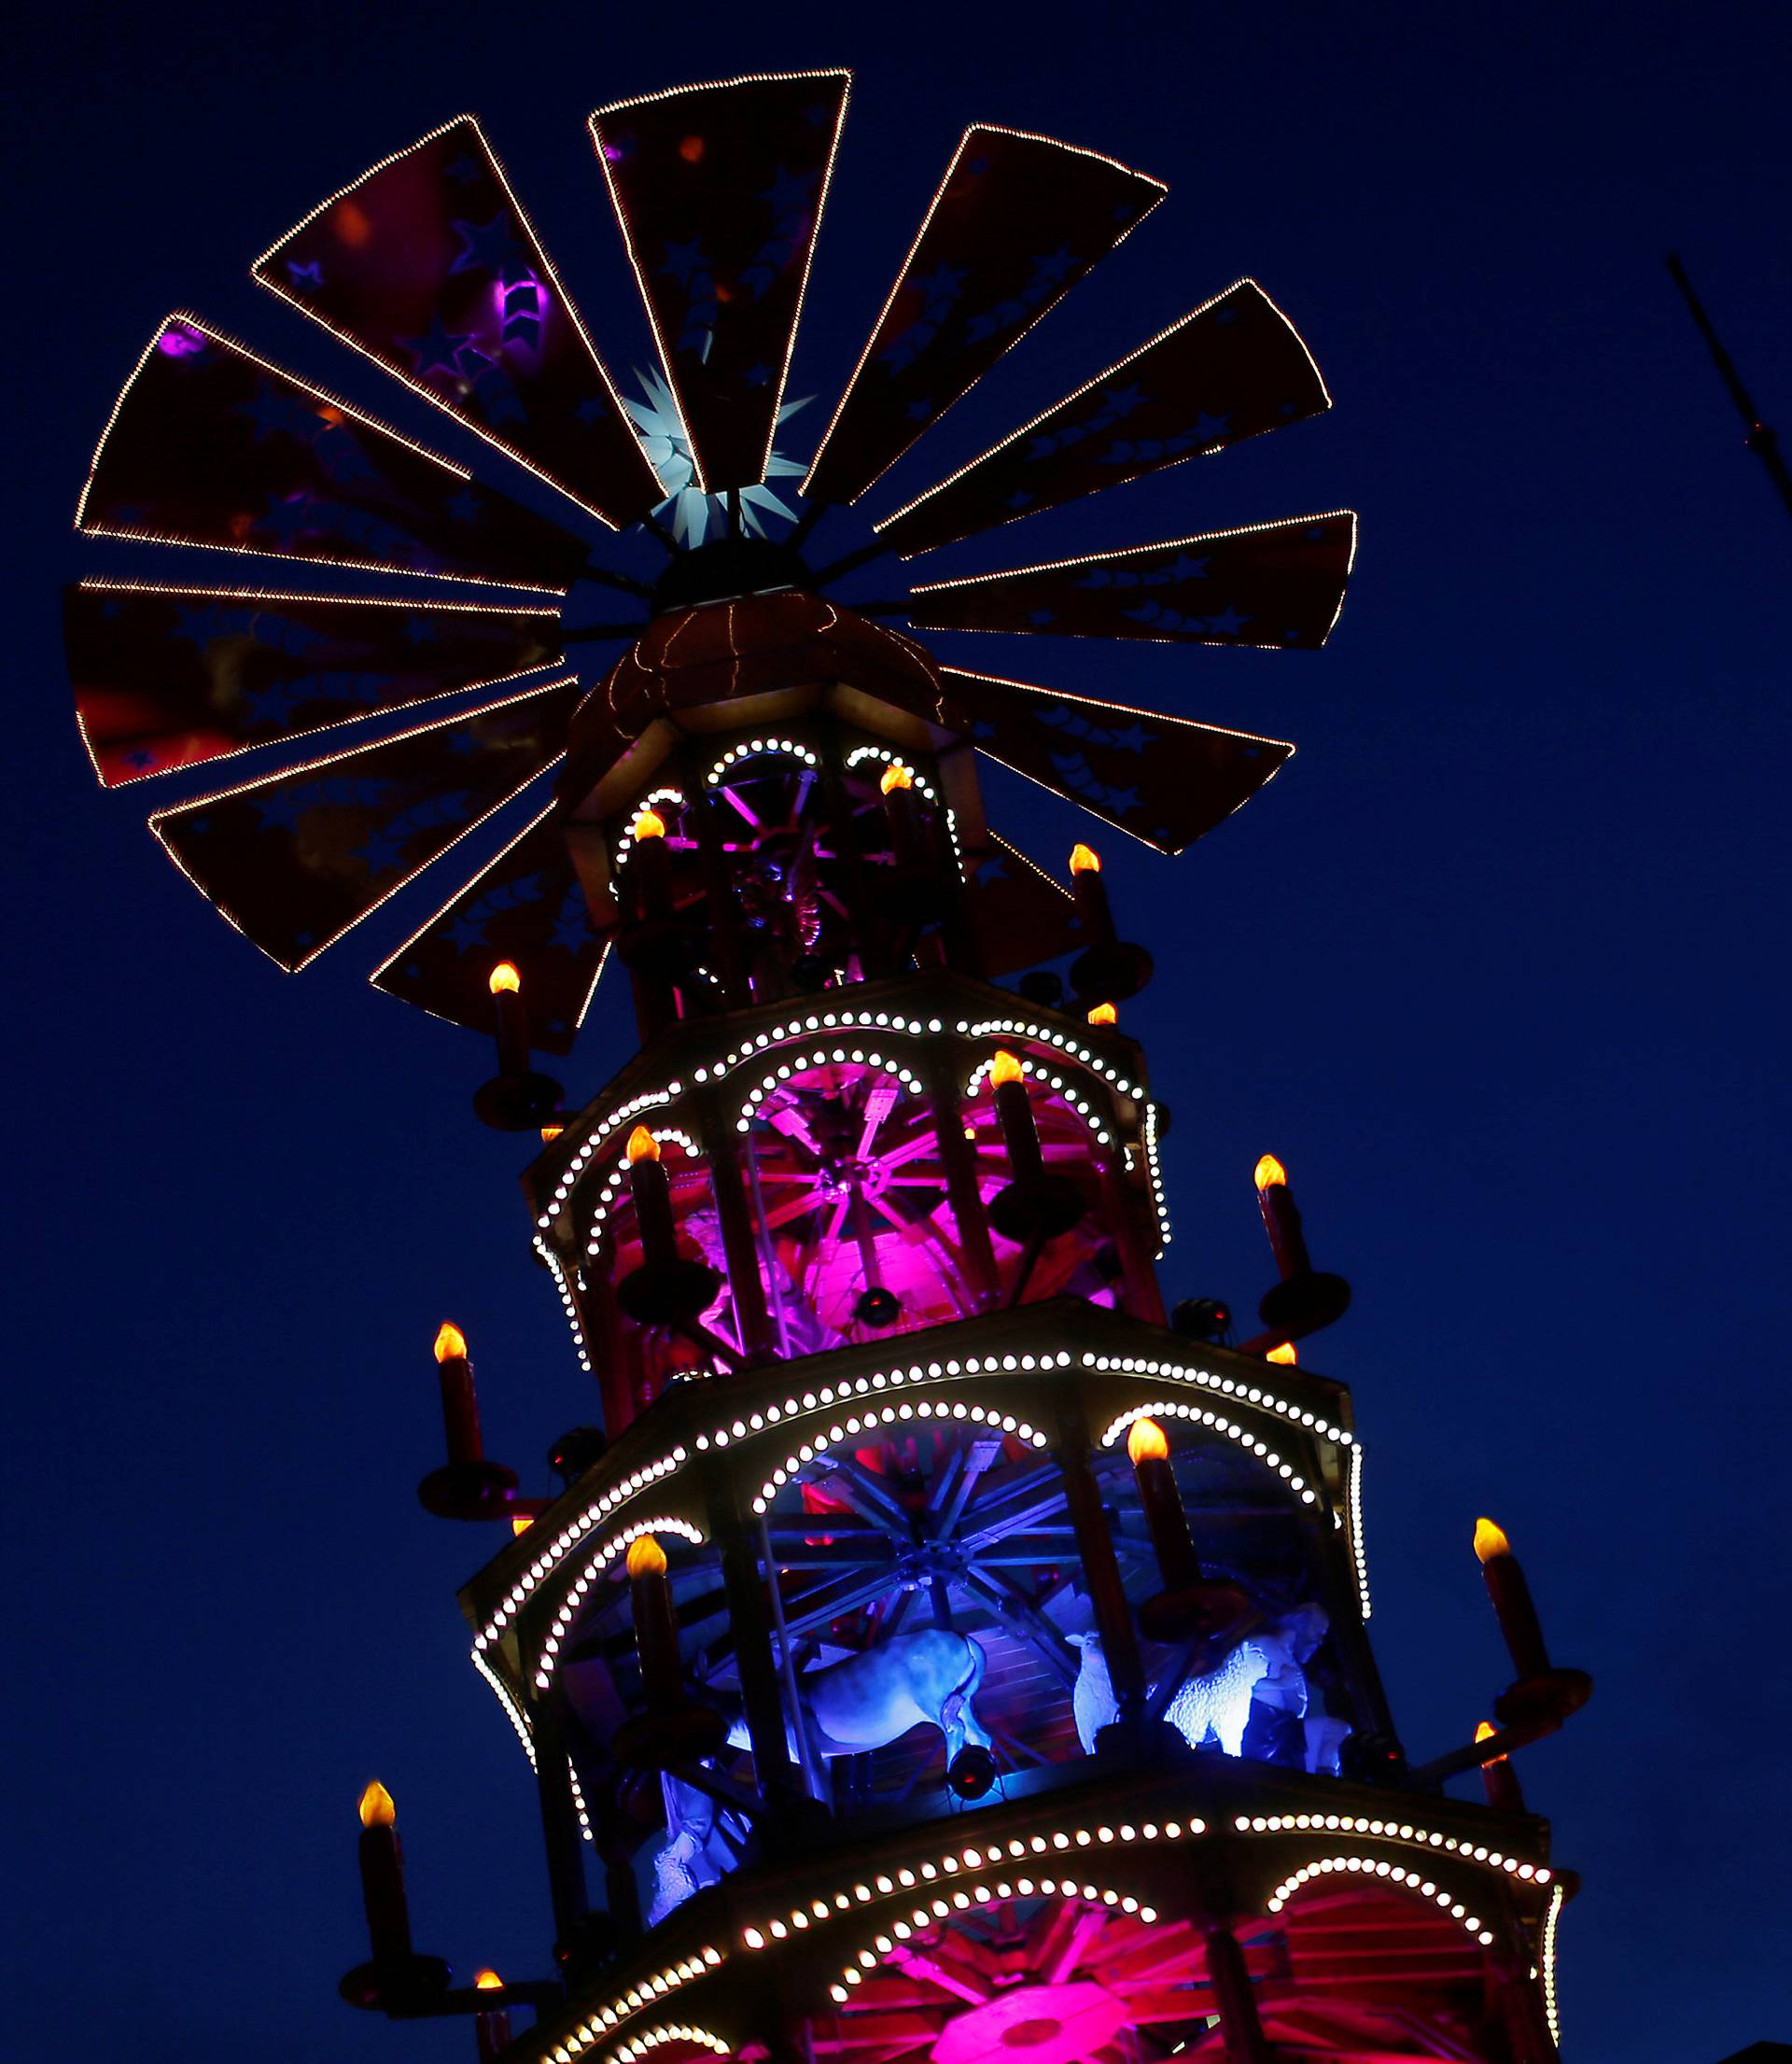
[
  {"x": 429, "y": 265},
  {"x": 1229, "y": 370},
  {"x": 208, "y": 444},
  {"x": 1016, "y": 221},
  {"x": 719, "y": 190},
  {"x": 1275, "y": 583},
  {"x": 295, "y": 860},
  {"x": 172, "y": 677}
]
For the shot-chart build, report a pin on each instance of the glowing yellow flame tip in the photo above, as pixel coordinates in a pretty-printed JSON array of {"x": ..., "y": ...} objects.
[
  {"x": 487, "y": 1981},
  {"x": 646, "y": 1557},
  {"x": 1104, "y": 1013},
  {"x": 896, "y": 776},
  {"x": 1146, "y": 1443},
  {"x": 1287, "y": 1355},
  {"x": 503, "y": 978},
  {"x": 1085, "y": 859},
  {"x": 642, "y": 1146},
  {"x": 1005, "y": 1067},
  {"x": 376, "y": 1809},
  {"x": 450, "y": 1343},
  {"x": 1489, "y": 1540},
  {"x": 647, "y": 824}
]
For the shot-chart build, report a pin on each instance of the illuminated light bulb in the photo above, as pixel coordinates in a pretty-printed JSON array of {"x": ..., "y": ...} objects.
[
  {"x": 1104, "y": 1013},
  {"x": 1489, "y": 1540},
  {"x": 1005, "y": 1067},
  {"x": 1287, "y": 1355},
  {"x": 647, "y": 824},
  {"x": 521, "y": 1523},
  {"x": 376, "y": 1808},
  {"x": 504, "y": 979},
  {"x": 450, "y": 1343},
  {"x": 1146, "y": 1443},
  {"x": 645, "y": 1558},
  {"x": 642, "y": 1146},
  {"x": 488, "y": 1981},
  {"x": 1270, "y": 1171},
  {"x": 1085, "y": 859},
  {"x": 896, "y": 776}
]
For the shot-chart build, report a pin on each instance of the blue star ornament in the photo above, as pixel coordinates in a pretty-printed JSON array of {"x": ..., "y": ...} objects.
[
  {"x": 491, "y": 247},
  {"x": 439, "y": 349}
]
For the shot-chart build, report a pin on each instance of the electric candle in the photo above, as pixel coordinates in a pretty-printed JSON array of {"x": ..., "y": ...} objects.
[
  {"x": 492, "y": 2025},
  {"x": 652, "y": 1191},
  {"x": 459, "y": 1401},
  {"x": 1148, "y": 1451},
  {"x": 898, "y": 788},
  {"x": 388, "y": 1919},
  {"x": 510, "y": 1019},
  {"x": 651, "y": 864},
  {"x": 1509, "y": 1590},
  {"x": 1091, "y": 895},
  {"x": 1015, "y": 1114},
  {"x": 1287, "y": 1355},
  {"x": 1499, "y": 1780},
  {"x": 657, "y": 1624},
  {"x": 1281, "y": 1218},
  {"x": 1104, "y": 1013}
]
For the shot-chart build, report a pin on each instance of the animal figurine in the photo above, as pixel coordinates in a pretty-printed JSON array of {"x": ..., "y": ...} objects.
[
  {"x": 1265, "y": 1666},
  {"x": 848, "y": 1708}
]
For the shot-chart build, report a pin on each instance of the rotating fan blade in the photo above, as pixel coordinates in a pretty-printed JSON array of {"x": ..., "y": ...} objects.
[
  {"x": 719, "y": 190},
  {"x": 1019, "y": 915},
  {"x": 169, "y": 677},
  {"x": 429, "y": 265},
  {"x": 528, "y": 908},
  {"x": 295, "y": 860},
  {"x": 1274, "y": 584},
  {"x": 1229, "y": 370},
  {"x": 208, "y": 445},
  {"x": 1016, "y": 221},
  {"x": 1164, "y": 780}
]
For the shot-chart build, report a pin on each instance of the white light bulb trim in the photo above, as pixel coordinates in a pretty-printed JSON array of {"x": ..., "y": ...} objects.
[
  {"x": 1391, "y": 1874},
  {"x": 1171, "y": 1407}
]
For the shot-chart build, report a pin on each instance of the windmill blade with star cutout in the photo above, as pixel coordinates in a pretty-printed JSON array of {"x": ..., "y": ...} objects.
[
  {"x": 719, "y": 191},
  {"x": 428, "y": 264},
  {"x": 1016, "y": 222}
]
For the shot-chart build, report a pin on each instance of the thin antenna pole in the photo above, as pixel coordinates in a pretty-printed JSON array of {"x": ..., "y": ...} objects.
[{"x": 1756, "y": 436}]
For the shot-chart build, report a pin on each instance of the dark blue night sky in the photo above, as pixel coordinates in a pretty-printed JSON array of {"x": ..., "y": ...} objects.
[{"x": 1497, "y": 966}]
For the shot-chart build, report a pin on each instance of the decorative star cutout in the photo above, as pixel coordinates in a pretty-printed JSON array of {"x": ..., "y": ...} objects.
[
  {"x": 684, "y": 261},
  {"x": 439, "y": 349},
  {"x": 492, "y": 247}
]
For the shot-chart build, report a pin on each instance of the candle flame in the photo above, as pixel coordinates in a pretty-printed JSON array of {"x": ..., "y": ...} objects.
[
  {"x": 376, "y": 1809},
  {"x": 1104, "y": 1013},
  {"x": 1146, "y": 1443},
  {"x": 897, "y": 776},
  {"x": 642, "y": 1146},
  {"x": 1269, "y": 1173},
  {"x": 521, "y": 1523},
  {"x": 450, "y": 1343},
  {"x": 487, "y": 1981},
  {"x": 1484, "y": 1732},
  {"x": 549, "y": 1133},
  {"x": 1005, "y": 1067},
  {"x": 646, "y": 1557},
  {"x": 504, "y": 977},
  {"x": 1085, "y": 859},
  {"x": 1288, "y": 1355},
  {"x": 1489, "y": 1540},
  {"x": 647, "y": 824}
]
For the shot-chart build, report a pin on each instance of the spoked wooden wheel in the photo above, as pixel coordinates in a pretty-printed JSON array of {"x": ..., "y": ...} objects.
[
  {"x": 1039, "y": 1979},
  {"x": 944, "y": 1522},
  {"x": 859, "y": 1236}
]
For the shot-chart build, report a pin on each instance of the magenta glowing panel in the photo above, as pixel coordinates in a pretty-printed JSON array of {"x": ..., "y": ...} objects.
[
  {"x": 295, "y": 860},
  {"x": 429, "y": 264},
  {"x": 171, "y": 677},
  {"x": 719, "y": 190},
  {"x": 528, "y": 908},
  {"x": 209, "y": 446},
  {"x": 1165, "y": 779},
  {"x": 1276, "y": 583},
  {"x": 1229, "y": 370},
  {"x": 1016, "y": 222}
]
